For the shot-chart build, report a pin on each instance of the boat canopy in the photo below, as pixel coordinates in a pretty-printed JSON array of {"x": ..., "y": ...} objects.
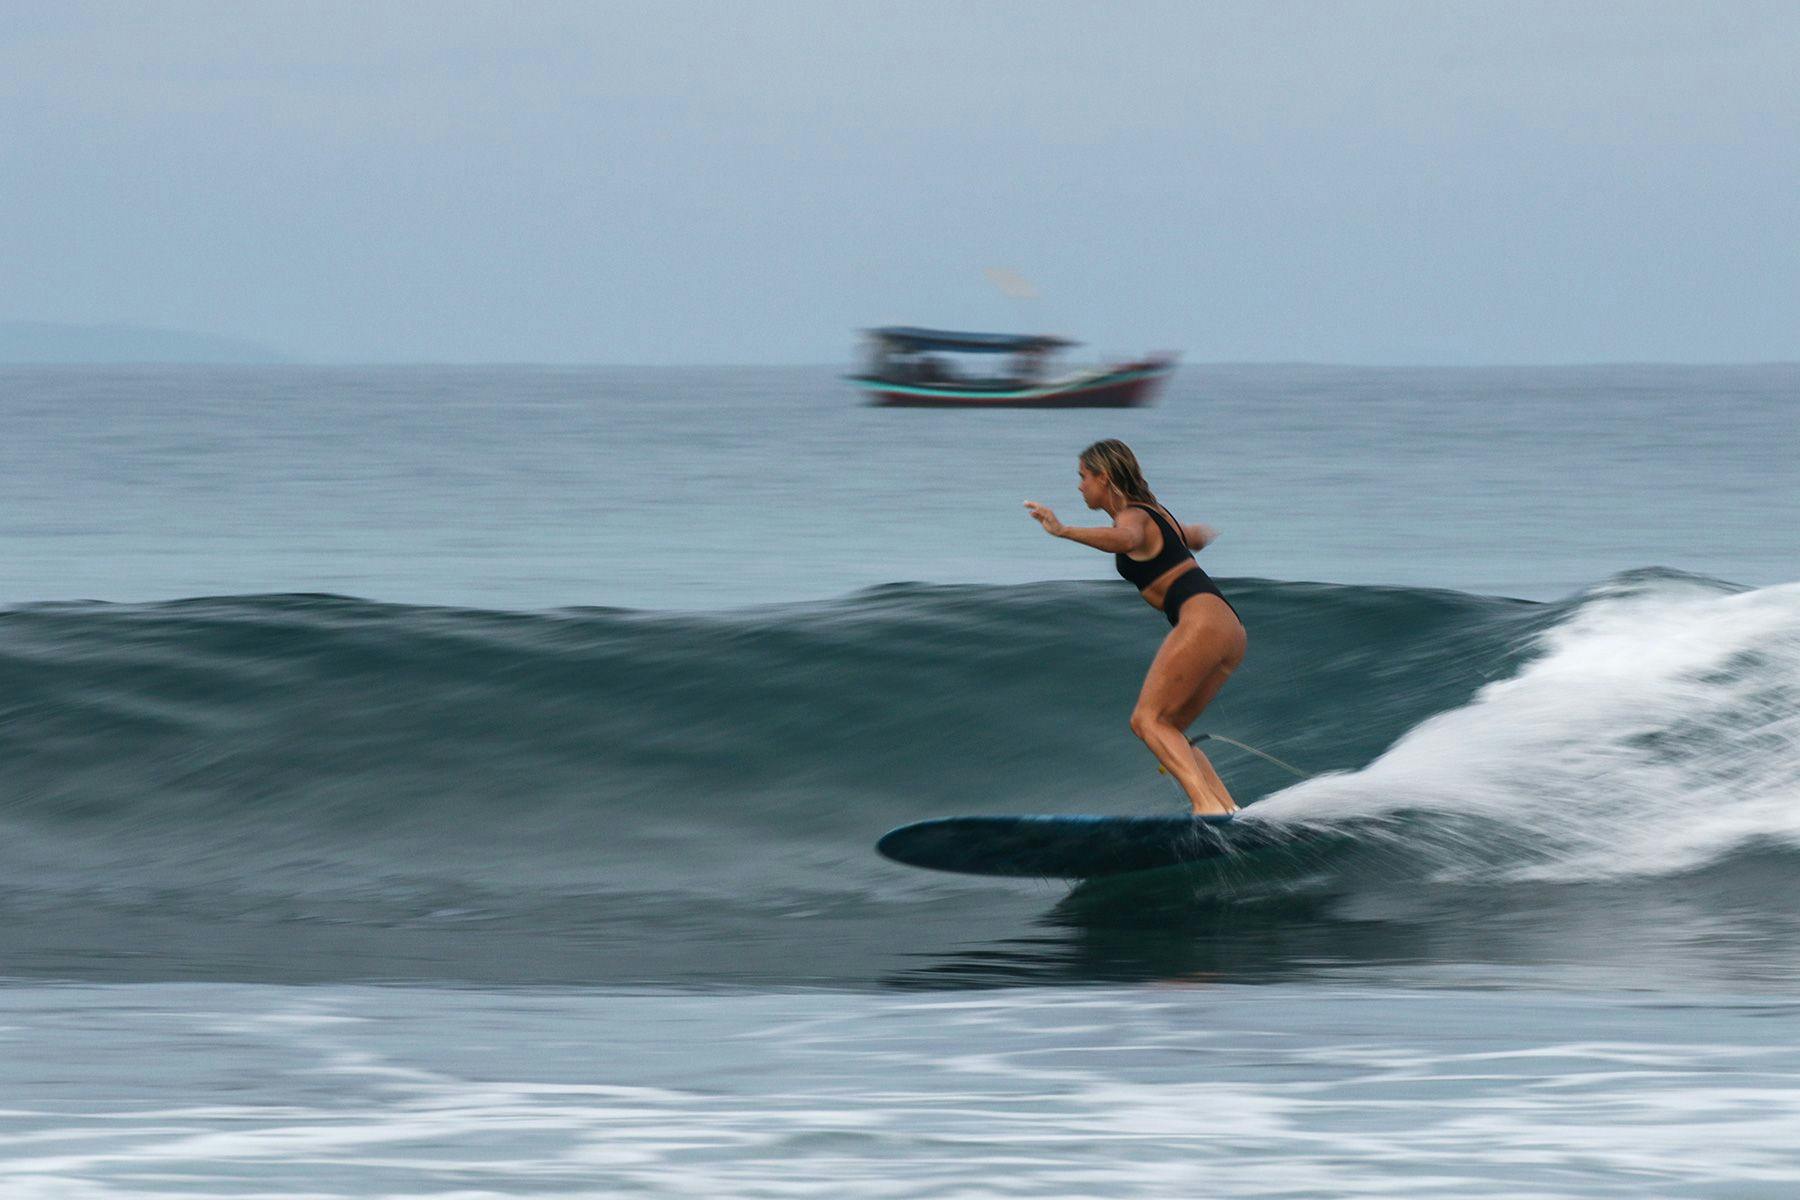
[{"x": 910, "y": 340}]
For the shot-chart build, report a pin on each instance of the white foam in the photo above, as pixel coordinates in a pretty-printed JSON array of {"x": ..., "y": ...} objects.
[
  {"x": 1657, "y": 730},
  {"x": 1199, "y": 1091}
]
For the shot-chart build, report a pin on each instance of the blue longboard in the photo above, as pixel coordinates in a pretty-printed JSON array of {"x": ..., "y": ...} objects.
[{"x": 1067, "y": 847}]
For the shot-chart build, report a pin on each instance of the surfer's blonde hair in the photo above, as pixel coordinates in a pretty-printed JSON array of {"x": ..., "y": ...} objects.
[{"x": 1114, "y": 462}]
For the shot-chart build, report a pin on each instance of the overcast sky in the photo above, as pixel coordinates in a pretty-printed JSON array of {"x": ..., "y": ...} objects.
[{"x": 749, "y": 182}]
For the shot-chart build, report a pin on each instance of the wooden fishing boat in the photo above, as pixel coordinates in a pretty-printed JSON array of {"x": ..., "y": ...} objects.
[{"x": 909, "y": 367}]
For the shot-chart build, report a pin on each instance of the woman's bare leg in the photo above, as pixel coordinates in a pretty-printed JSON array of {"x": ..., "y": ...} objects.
[
  {"x": 1187, "y": 716},
  {"x": 1235, "y": 645},
  {"x": 1178, "y": 758},
  {"x": 1212, "y": 778},
  {"x": 1190, "y": 657}
]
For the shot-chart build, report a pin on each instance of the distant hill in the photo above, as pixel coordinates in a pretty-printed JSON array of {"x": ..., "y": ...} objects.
[{"x": 46, "y": 342}]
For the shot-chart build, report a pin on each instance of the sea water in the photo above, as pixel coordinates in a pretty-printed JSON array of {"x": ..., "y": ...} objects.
[{"x": 463, "y": 782}]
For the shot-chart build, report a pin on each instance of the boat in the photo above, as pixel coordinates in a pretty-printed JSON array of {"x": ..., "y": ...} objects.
[{"x": 908, "y": 368}]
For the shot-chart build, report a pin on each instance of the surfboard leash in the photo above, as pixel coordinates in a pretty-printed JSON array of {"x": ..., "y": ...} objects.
[{"x": 1266, "y": 757}]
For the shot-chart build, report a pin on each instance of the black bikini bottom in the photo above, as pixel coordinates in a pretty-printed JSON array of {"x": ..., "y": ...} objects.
[{"x": 1185, "y": 587}]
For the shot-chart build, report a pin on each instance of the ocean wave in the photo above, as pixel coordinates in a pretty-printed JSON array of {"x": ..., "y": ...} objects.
[{"x": 333, "y": 760}]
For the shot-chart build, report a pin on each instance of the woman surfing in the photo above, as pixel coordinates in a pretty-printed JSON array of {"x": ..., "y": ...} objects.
[{"x": 1206, "y": 640}]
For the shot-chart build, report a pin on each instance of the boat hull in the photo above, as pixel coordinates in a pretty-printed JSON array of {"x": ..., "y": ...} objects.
[{"x": 1126, "y": 386}]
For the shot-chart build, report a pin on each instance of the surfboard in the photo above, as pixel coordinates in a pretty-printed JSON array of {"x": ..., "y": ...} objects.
[{"x": 1069, "y": 847}]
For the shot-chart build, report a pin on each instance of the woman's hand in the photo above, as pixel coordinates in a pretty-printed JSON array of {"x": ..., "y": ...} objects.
[{"x": 1043, "y": 516}]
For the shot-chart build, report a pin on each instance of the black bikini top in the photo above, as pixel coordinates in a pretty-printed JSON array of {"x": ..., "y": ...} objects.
[{"x": 1174, "y": 552}]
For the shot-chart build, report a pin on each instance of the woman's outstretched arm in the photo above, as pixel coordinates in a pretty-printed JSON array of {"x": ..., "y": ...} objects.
[{"x": 1122, "y": 537}]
